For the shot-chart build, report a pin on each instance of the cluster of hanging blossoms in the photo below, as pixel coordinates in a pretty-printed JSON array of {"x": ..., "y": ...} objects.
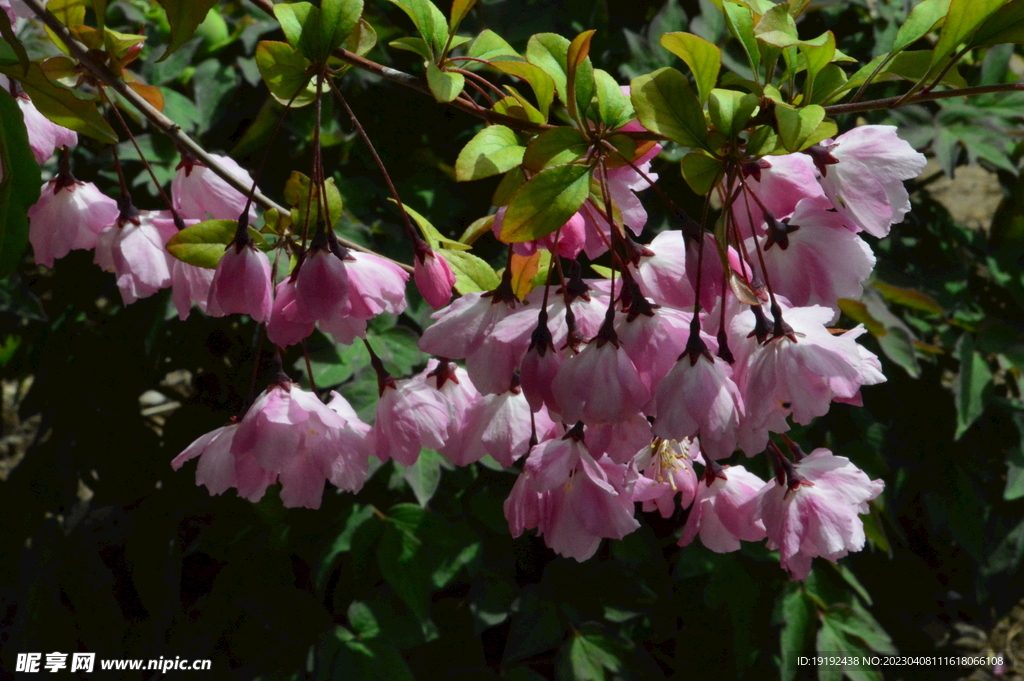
[{"x": 692, "y": 347}]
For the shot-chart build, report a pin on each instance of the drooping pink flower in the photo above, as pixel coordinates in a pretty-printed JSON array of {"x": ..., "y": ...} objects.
[
  {"x": 199, "y": 193},
  {"x": 134, "y": 249},
  {"x": 725, "y": 510},
  {"x": 5, "y": 5},
  {"x": 499, "y": 425},
  {"x": 619, "y": 441},
  {"x": 599, "y": 385},
  {"x": 572, "y": 500},
  {"x": 190, "y": 286},
  {"x": 813, "y": 259},
  {"x": 375, "y": 285},
  {"x": 568, "y": 243},
  {"x": 410, "y": 415},
  {"x": 815, "y": 513},
  {"x": 653, "y": 341},
  {"x": 287, "y": 326},
  {"x": 44, "y": 136},
  {"x": 698, "y": 398},
  {"x": 434, "y": 278},
  {"x": 667, "y": 271},
  {"x": 241, "y": 284},
  {"x": 786, "y": 181},
  {"x": 798, "y": 374},
  {"x": 69, "y": 215},
  {"x": 216, "y": 467},
  {"x": 862, "y": 173},
  {"x": 667, "y": 467},
  {"x": 455, "y": 386},
  {"x": 464, "y": 326}
]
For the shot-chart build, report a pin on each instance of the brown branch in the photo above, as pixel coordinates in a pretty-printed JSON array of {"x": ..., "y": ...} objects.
[
  {"x": 162, "y": 122},
  {"x": 891, "y": 102}
]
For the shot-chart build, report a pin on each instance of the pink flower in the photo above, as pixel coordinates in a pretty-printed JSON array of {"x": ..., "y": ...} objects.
[
  {"x": 376, "y": 285},
  {"x": 287, "y": 326},
  {"x": 786, "y": 181},
  {"x": 241, "y": 283},
  {"x": 797, "y": 374},
  {"x": 464, "y": 326},
  {"x": 410, "y": 415},
  {"x": 816, "y": 512},
  {"x": 667, "y": 271},
  {"x": 69, "y": 215},
  {"x": 569, "y": 241},
  {"x": 725, "y": 510},
  {"x": 812, "y": 259},
  {"x": 190, "y": 286},
  {"x": 434, "y": 278},
  {"x": 599, "y": 385},
  {"x": 216, "y": 467},
  {"x": 653, "y": 341},
  {"x": 619, "y": 441},
  {"x": 455, "y": 386},
  {"x": 136, "y": 252},
  {"x": 698, "y": 398},
  {"x": 667, "y": 467},
  {"x": 44, "y": 136},
  {"x": 864, "y": 176},
  {"x": 499, "y": 425},
  {"x": 199, "y": 193}
]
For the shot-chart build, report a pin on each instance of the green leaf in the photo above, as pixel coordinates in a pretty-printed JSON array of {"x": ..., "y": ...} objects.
[
  {"x": 546, "y": 202},
  {"x": 665, "y": 104},
  {"x": 338, "y": 18},
  {"x": 492, "y": 151},
  {"x": 444, "y": 85},
  {"x": 730, "y": 110},
  {"x": 798, "y": 624},
  {"x": 703, "y": 58},
  {"x": 489, "y": 45},
  {"x": 286, "y": 72},
  {"x": 424, "y": 476},
  {"x": 507, "y": 188},
  {"x": 922, "y": 20},
  {"x": 204, "y": 244},
  {"x": 798, "y": 127},
  {"x": 429, "y": 22},
  {"x": 549, "y": 52},
  {"x": 554, "y": 147},
  {"x": 60, "y": 105},
  {"x": 972, "y": 385},
  {"x": 535, "y": 626},
  {"x": 963, "y": 17},
  {"x": 298, "y": 21},
  {"x": 460, "y": 8},
  {"x": 701, "y": 172},
  {"x": 898, "y": 340},
  {"x": 414, "y": 45},
  {"x": 430, "y": 233},
  {"x": 184, "y": 16},
  {"x": 296, "y": 194},
  {"x": 909, "y": 298},
  {"x": 740, "y": 21},
  {"x": 1005, "y": 26},
  {"x": 614, "y": 109},
  {"x": 71, "y": 13},
  {"x": 590, "y": 654},
  {"x": 472, "y": 274},
  {"x": 1015, "y": 465},
  {"x": 100, "y": 8},
  {"x": 8, "y": 35},
  {"x": 777, "y": 28},
  {"x": 358, "y": 515},
  {"x": 817, "y": 57},
  {"x": 543, "y": 85},
  {"x": 19, "y": 188}
]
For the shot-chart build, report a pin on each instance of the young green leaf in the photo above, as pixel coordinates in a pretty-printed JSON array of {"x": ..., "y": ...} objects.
[
  {"x": 430, "y": 233},
  {"x": 8, "y": 36},
  {"x": 554, "y": 147},
  {"x": 203, "y": 245},
  {"x": 472, "y": 274},
  {"x": 429, "y": 21},
  {"x": 489, "y": 45},
  {"x": 338, "y": 18},
  {"x": 665, "y": 104},
  {"x": 285, "y": 71},
  {"x": 296, "y": 194},
  {"x": 579, "y": 49},
  {"x": 444, "y": 85},
  {"x": 963, "y": 17},
  {"x": 184, "y": 16},
  {"x": 300, "y": 22},
  {"x": 460, "y": 8},
  {"x": 701, "y": 172},
  {"x": 546, "y": 202},
  {"x": 493, "y": 150},
  {"x": 1005, "y": 26},
  {"x": 19, "y": 188},
  {"x": 921, "y": 21},
  {"x": 543, "y": 85},
  {"x": 415, "y": 45},
  {"x": 740, "y": 20},
  {"x": 614, "y": 109},
  {"x": 550, "y": 52},
  {"x": 730, "y": 110},
  {"x": 777, "y": 28},
  {"x": 796, "y": 126},
  {"x": 703, "y": 58},
  {"x": 972, "y": 386}
]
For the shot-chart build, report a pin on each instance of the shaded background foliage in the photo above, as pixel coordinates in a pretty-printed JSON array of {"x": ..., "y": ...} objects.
[{"x": 105, "y": 550}]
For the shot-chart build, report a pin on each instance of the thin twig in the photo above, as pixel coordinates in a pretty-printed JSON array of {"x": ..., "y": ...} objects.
[{"x": 162, "y": 122}]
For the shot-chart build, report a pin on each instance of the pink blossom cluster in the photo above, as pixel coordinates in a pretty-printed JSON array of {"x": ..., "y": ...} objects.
[{"x": 608, "y": 393}]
